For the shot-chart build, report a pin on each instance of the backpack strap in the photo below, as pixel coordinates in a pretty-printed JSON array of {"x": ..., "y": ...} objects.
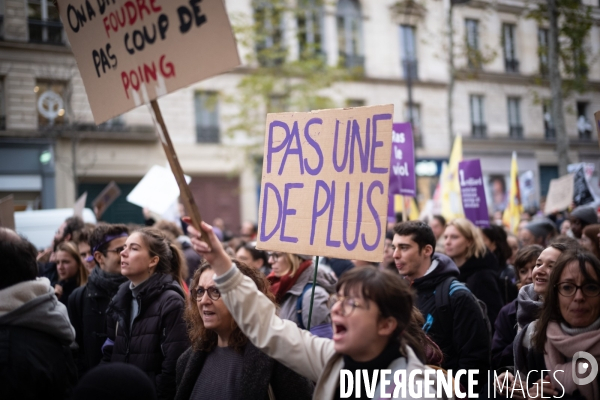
[
  {"x": 442, "y": 303},
  {"x": 299, "y": 305}
]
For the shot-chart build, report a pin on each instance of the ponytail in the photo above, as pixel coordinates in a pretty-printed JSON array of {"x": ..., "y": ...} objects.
[{"x": 177, "y": 262}]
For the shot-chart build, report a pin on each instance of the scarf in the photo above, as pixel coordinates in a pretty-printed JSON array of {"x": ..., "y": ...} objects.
[
  {"x": 529, "y": 305},
  {"x": 107, "y": 283},
  {"x": 280, "y": 285},
  {"x": 559, "y": 350}
]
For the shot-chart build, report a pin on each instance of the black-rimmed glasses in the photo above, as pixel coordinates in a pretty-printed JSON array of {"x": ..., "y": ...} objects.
[
  {"x": 568, "y": 289},
  {"x": 213, "y": 293}
]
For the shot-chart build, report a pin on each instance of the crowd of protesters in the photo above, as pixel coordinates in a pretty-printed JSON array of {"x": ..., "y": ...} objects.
[{"x": 120, "y": 311}]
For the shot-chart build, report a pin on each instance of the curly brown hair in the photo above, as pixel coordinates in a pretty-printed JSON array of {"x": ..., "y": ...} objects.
[{"x": 203, "y": 339}]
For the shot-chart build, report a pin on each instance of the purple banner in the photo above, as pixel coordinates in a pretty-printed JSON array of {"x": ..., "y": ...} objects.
[
  {"x": 391, "y": 212},
  {"x": 402, "y": 169},
  {"x": 473, "y": 193}
]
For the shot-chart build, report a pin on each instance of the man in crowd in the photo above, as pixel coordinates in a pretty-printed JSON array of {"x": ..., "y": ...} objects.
[
  {"x": 453, "y": 318},
  {"x": 539, "y": 231},
  {"x": 438, "y": 226},
  {"x": 88, "y": 304},
  {"x": 581, "y": 217},
  {"x": 35, "y": 333},
  {"x": 66, "y": 232}
]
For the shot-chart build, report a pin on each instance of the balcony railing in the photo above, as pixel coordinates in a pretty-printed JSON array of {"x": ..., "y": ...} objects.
[
  {"x": 511, "y": 65},
  {"x": 351, "y": 61},
  {"x": 207, "y": 134},
  {"x": 516, "y": 132},
  {"x": 478, "y": 131},
  {"x": 410, "y": 69},
  {"x": 49, "y": 32}
]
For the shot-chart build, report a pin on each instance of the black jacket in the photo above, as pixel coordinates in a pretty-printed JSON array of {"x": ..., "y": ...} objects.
[
  {"x": 481, "y": 277},
  {"x": 465, "y": 344},
  {"x": 87, "y": 312},
  {"x": 158, "y": 335},
  {"x": 504, "y": 335},
  {"x": 259, "y": 371}
]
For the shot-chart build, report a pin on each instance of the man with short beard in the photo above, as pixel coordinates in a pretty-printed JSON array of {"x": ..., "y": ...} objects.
[{"x": 88, "y": 304}]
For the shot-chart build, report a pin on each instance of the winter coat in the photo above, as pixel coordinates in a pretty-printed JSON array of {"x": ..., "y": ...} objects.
[
  {"x": 87, "y": 312},
  {"x": 504, "y": 335},
  {"x": 35, "y": 335},
  {"x": 465, "y": 344},
  {"x": 259, "y": 372},
  {"x": 158, "y": 335},
  {"x": 312, "y": 357},
  {"x": 320, "y": 314},
  {"x": 481, "y": 277}
]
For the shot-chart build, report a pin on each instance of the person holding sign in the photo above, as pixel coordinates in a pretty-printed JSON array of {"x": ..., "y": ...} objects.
[
  {"x": 291, "y": 280},
  {"x": 370, "y": 320}
]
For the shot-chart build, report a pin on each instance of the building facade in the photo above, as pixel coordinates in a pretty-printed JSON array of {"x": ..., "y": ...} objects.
[{"x": 51, "y": 151}]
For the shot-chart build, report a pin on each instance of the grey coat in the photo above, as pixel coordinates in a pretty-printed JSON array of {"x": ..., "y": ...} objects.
[{"x": 320, "y": 314}]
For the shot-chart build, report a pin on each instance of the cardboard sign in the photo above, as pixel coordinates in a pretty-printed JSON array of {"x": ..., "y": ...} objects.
[
  {"x": 108, "y": 195},
  {"x": 325, "y": 182},
  {"x": 131, "y": 52},
  {"x": 472, "y": 192},
  {"x": 79, "y": 206},
  {"x": 157, "y": 190},
  {"x": 560, "y": 194},
  {"x": 402, "y": 170},
  {"x": 597, "y": 118},
  {"x": 7, "y": 212}
]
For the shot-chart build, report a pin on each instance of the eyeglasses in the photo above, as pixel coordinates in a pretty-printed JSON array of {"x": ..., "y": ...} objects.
[
  {"x": 275, "y": 256},
  {"x": 213, "y": 293},
  {"x": 348, "y": 305},
  {"x": 118, "y": 250},
  {"x": 569, "y": 289}
]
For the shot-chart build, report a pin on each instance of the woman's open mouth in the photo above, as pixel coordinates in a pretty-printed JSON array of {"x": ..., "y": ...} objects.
[{"x": 339, "y": 331}]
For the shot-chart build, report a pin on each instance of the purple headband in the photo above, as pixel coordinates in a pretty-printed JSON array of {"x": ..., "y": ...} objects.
[{"x": 107, "y": 239}]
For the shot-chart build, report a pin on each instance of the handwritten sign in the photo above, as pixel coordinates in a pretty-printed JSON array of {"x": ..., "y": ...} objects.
[
  {"x": 402, "y": 169},
  {"x": 472, "y": 192},
  {"x": 108, "y": 195},
  {"x": 325, "y": 182},
  {"x": 131, "y": 52},
  {"x": 560, "y": 194},
  {"x": 146, "y": 195}
]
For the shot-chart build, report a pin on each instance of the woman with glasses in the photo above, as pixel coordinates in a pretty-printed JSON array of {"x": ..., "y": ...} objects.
[
  {"x": 292, "y": 279},
  {"x": 569, "y": 324},
  {"x": 221, "y": 363},
  {"x": 370, "y": 322},
  {"x": 145, "y": 323}
]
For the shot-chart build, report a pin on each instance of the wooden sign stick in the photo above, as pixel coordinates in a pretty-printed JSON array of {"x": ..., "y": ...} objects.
[{"x": 184, "y": 189}]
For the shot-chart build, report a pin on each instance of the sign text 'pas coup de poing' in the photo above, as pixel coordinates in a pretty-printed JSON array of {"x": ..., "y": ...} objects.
[
  {"x": 325, "y": 182},
  {"x": 131, "y": 52}
]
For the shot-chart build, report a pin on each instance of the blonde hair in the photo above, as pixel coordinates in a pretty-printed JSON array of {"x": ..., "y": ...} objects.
[
  {"x": 472, "y": 234},
  {"x": 294, "y": 262},
  {"x": 72, "y": 249}
]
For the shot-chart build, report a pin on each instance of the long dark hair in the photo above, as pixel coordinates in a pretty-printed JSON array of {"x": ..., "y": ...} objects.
[
  {"x": 392, "y": 295},
  {"x": 551, "y": 308},
  {"x": 497, "y": 235},
  {"x": 170, "y": 259},
  {"x": 203, "y": 339}
]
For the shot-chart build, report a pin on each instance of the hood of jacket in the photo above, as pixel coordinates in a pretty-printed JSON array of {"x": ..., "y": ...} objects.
[
  {"x": 442, "y": 267},
  {"x": 33, "y": 305},
  {"x": 325, "y": 280},
  {"x": 473, "y": 265}
]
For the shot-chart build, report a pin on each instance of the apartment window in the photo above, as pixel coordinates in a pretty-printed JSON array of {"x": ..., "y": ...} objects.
[
  {"x": 511, "y": 62},
  {"x": 584, "y": 126},
  {"x": 114, "y": 124},
  {"x": 310, "y": 29},
  {"x": 415, "y": 110},
  {"x": 515, "y": 125},
  {"x": 270, "y": 48},
  {"x": 207, "y": 117},
  {"x": 472, "y": 39},
  {"x": 51, "y": 103},
  {"x": 549, "y": 131},
  {"x": 1, "y": 19},
  {"x": 543, "y": 51},
  {"x": 349, "y": 27},
  {"x": 2, "y": 106},
  {"x": 580, "y": 68},
  {"x": 409, "y": 52},
  {"x": 478, "y": 127},
  {"x": 44, "y": 22},
  {"x": 355, "y": 103}
]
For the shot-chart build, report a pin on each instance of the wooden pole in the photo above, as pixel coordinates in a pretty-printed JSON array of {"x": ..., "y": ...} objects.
[{"x": 185, "y": 192}]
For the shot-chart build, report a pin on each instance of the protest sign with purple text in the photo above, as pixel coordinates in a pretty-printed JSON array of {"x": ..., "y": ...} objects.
[
  {"x": 402, "y": 172},
  {"x": 472, "y": 192},
  {"x": 131, "y": 52},
  {"x": 325, "y": 182}
]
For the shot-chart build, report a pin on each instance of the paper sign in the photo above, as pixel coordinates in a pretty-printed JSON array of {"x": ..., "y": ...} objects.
[
  {"x": 131, "y": 52},
  {"x": 560, "y": 194},
  {"x": 402, "y": 169},
  {"x": 581, "y": 190},
  {"x": 325, "y": 182},
  {"x": 108, "y": 195},
  {"x": 7, "y": 212},
  {"x": 597, "y": 118},
  {"x": 79, "y": 205},
  {"x": 157, "y": 190},
  {"x": 472, "y": 192}
]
